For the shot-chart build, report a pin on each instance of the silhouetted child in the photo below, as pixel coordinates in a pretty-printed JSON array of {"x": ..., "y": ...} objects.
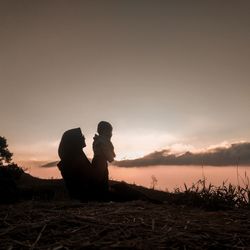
[{"x": 103, "y": 153}]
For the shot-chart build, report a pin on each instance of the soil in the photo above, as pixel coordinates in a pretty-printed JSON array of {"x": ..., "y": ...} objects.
[
  {"x": 114, "y": 225},
  {"x": 45, "y": 218}
]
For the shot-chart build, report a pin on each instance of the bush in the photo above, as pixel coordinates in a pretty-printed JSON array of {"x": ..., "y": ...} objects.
[
  {"x": 213, "y": 197},
  {"x": 9, "y": 174}
]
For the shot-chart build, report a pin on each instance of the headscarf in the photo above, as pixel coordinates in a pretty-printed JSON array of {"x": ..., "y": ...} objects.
[{"x": 71, "y": 144}]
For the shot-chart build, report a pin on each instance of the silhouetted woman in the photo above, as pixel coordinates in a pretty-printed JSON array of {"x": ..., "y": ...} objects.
[{"x": 74, "y": 165}]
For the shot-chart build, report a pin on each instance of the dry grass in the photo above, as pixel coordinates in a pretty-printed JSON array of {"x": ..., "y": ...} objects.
[
  {"x": 180, "y": 222},
  {"x": 130, "y": 225},
  {"x": 206, "y": 195}
]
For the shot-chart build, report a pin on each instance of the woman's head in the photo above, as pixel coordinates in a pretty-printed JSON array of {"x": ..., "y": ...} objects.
[
  {"x": 104, "y": 128},
  {"x": 71, "y": 143}
]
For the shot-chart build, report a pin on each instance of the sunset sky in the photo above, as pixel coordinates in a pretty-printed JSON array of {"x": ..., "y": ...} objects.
[{"x": 165, "y": 74}]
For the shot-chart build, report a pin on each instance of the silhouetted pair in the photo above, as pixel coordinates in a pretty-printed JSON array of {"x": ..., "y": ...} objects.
[{"x": 86, "y": 181}]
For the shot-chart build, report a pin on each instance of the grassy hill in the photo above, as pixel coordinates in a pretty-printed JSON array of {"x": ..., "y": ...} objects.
[{"x": 45, "y": 218}]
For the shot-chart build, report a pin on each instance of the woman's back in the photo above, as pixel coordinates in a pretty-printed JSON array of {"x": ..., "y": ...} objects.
[{"x": 74, "y": 165}]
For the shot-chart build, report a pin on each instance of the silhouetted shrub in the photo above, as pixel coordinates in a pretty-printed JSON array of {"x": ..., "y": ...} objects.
[
  {"x": 214, "y": 197},
  {"x": 5, "y": 154},
  {"x": 9, "y": 174}
]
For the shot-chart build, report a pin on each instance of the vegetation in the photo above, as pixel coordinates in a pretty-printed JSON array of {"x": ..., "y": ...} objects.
[
  {"x": 8, "y": 168},
  {"x": 153, "y": 182},
  {"x": 9, "y": 174},
  {"x": 130, "y": 225},
  {"x": 5, "y": 155},
  {"x": 226, "y": 196}
]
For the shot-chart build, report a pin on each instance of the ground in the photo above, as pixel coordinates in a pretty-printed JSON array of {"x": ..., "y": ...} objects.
[{"x": 114, "y": 225}]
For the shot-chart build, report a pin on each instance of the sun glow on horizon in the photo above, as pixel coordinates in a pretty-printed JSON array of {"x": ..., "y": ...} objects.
[{"x": 128, "y": 146}]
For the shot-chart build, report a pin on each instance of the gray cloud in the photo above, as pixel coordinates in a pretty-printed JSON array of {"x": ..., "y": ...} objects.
[
  {"x": 50, "y": 164},
  {"x": 237, "y": 153}
]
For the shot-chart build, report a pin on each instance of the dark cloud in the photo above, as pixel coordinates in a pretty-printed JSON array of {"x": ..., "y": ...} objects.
[
  {"x": 50, "y": 164},
  {"x": 238, "y": 153}
]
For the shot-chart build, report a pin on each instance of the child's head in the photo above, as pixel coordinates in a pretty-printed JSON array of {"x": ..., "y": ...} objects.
[{"x": 104, "y": 128}]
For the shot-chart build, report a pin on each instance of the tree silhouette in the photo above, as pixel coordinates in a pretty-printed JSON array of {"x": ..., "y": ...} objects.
[
  {"x": 9, "y": 174},
  {"x": 7, "y": 167},
  {"x": 5, "y": 154}
]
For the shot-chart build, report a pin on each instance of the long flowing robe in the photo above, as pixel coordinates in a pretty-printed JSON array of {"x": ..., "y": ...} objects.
[{"x": 74, "y": 166}]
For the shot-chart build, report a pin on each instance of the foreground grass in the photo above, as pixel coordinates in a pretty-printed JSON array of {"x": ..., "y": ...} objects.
[
  {"x": 127, "y": 225},
  {"x": 225, "y": 196},
  {"x": 198, "y": 217}
]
